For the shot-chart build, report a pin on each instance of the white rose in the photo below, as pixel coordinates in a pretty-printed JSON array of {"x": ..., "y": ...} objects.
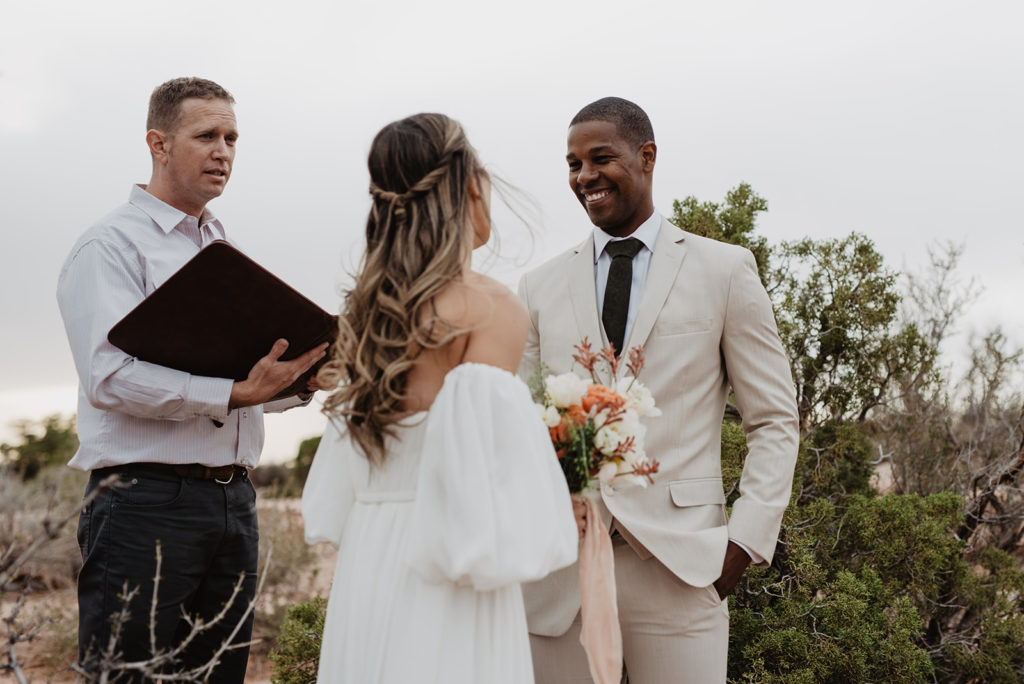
[
  {"x": 638, "y": 397},
  {"x": 607, "y": 440},
  {"x": 634, "y": 459},
  {"x": 626, "y": 425},
  {"x": 632, "y": 463},
  {"x": 629, "y": 424},
  {"x": 608, "y": 471},
  {"x": 551, "y": 416},
  {"x": 565, "y": 389},
  {"x": 639, "y": 480}
]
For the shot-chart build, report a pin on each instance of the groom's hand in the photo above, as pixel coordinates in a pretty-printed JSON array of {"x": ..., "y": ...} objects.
[{"x": 736, "y": 561}]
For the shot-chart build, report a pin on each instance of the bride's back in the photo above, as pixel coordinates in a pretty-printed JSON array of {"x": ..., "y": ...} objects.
[{"x": 496, "y": 323}]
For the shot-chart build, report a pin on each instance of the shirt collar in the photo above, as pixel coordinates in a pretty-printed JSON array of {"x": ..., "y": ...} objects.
[
  {"x": 646, "y": 232},
  {"x": 166, "y": 216}
]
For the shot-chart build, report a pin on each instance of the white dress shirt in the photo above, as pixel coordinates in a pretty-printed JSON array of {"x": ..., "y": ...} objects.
[
  {"x": 129, "y": 410},
  {"x": 646, "y": 233}
]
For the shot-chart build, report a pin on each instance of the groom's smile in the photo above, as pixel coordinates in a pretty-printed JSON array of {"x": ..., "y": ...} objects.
[{"x": 610, "y": 177}]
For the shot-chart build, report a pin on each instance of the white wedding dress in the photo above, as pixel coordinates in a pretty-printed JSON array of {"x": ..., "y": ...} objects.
[{"x": 433, "y": 543}]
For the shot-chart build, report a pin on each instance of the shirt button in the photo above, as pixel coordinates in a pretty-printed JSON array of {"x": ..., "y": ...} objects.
[{"x": 245, "y": 414}]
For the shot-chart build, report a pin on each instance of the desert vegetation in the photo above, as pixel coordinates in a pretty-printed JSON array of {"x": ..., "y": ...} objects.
[{"x": 40, "y": 559}]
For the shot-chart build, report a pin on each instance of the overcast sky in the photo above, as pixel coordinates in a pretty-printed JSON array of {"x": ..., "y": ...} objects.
[{"x": 900, "y": 120}]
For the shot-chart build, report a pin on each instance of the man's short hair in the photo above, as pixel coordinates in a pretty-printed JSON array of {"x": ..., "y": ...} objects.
[
  {"x": 630, "y": 121},
  {"x": 165, "y": 102}
]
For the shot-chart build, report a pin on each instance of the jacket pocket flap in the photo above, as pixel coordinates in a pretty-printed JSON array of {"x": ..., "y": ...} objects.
[
  {"x": 697, "y": 492},
  {"x": 674, "y": 327}
]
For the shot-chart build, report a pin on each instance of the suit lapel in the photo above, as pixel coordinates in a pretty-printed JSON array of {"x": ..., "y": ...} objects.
[
  {"x": 665, "y": 262},
  {"x": 583, "y": 295}
]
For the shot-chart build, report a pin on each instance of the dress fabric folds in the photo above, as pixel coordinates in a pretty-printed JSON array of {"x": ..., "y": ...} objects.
[{"x": 468, "y": 502}]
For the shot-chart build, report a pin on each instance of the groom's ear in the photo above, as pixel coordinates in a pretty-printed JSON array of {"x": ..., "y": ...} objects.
[{"x": 648, "y": 155}]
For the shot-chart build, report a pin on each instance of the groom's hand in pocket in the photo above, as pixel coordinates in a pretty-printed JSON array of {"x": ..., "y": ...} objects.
[{"x": 735, "y": 563}]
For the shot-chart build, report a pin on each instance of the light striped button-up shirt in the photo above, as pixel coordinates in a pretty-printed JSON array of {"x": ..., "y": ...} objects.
[{"x": 130, "y": 411}]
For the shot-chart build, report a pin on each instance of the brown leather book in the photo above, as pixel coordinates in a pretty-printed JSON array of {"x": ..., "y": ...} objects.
[{"x": 219, "y": 314}]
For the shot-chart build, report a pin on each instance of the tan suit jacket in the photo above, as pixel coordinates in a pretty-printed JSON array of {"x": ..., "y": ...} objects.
[{"x": 707, "y": 326}]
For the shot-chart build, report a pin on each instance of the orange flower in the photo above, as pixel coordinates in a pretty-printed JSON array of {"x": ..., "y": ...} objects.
[
  {"x": 599, "y": 395},
  {"x": 558, "y": 433},
  {"x": 576, "y": 414}
]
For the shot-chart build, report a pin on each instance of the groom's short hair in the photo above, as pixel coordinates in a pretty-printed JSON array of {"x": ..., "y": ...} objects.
[{"x": 630, "y": 120}]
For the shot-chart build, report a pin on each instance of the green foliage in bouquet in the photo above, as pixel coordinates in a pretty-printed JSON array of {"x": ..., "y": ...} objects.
[
  {"x": 577, "y": 458},
  {"x": 297, "y": 657}
]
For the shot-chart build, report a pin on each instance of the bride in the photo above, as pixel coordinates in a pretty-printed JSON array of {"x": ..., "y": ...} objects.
[{"x": 435, "y": 479}]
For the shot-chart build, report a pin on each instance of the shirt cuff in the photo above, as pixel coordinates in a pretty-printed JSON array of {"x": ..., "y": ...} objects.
[
  {"x": 208, "y": 396},
  {"x": 754, "y": 556},
  {"x": 279, "y": 405}
]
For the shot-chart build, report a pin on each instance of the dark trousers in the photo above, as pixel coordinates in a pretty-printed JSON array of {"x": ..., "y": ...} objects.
[{"x": 208, "y": 536}]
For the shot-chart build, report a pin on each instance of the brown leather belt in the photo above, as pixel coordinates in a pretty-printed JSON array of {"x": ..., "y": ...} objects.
[{"x": 220, "y": 474}]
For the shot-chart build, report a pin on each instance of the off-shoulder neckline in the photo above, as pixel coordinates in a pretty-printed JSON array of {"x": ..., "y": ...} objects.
[{"x": 467, "y": 364}]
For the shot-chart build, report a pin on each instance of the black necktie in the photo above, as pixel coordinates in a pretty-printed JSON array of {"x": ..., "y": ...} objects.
[{"x": 616, "y": 290}]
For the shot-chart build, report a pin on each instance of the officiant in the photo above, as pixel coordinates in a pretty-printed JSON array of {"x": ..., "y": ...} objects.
[{"x": 180, "y": 444}]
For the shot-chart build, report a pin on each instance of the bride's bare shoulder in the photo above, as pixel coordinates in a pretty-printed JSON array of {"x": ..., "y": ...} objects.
[
  {"x": 496, "y": 321},
  {"x": 478, "y": 300}
]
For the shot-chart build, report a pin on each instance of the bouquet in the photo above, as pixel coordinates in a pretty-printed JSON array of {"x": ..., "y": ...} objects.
[
  {"x": 596, "y": 431},
  {"x": 595, "y": 424}
]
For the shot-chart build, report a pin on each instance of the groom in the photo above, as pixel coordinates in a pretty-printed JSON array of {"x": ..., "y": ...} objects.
[{"x": 707, "y": 329}]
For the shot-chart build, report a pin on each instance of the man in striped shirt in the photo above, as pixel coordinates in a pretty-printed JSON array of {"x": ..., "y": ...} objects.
[{"x": 181, "y": 445}]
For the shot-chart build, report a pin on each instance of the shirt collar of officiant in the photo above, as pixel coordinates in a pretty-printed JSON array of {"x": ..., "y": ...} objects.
[
  {"x": 647, "y": 233},
  {"x": 169, "y": 218}
]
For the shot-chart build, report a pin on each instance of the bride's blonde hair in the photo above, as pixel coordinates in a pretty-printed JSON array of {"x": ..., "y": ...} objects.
[{"x": 416, "y": 244}]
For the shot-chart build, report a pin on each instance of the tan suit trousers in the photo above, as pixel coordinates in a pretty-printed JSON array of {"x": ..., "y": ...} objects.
[{"x": 672, "y": 633}]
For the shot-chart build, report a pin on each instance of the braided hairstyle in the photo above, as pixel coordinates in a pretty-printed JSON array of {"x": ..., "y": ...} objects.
[{"x": 416, "y": 245}]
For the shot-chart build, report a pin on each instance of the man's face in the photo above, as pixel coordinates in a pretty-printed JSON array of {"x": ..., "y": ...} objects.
[
  {"x": 200, "y": 153},
  {"x": 610, "y": 176}
]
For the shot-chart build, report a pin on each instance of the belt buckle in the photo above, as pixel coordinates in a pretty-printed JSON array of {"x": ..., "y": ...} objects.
[{"x": 227, "y": 481}]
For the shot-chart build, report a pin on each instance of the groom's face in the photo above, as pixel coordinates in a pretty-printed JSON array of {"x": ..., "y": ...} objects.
[{"x": 610, "y": 176}]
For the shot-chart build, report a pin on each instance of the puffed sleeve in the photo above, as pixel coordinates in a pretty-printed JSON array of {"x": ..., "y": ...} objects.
[
  {"x": 328, "y": 495},
  {"x": 492, "y": 507}
]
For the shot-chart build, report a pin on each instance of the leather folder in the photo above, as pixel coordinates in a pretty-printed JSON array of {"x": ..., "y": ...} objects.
[{"x": 219, "y": 314}]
